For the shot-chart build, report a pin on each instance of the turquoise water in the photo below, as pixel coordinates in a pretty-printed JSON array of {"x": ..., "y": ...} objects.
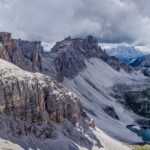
[{"x": 143, "y": 132}]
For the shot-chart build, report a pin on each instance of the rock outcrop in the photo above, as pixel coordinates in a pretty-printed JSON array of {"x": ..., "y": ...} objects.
[
  {"x": 142, "y": 63},
  {"x": 126, "y": 54},
  {"x": 13, "y": 50},
  {"x": 66, "y": 58},
  {"x": 35, "y": 98},
  {"x": 39, "y": 108}
]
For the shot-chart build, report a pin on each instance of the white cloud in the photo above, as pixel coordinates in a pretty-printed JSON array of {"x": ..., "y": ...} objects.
[{"x": 52, "y": 20}]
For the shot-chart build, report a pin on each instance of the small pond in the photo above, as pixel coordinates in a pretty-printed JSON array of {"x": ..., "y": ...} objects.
[{"x": 143, "y": 132}]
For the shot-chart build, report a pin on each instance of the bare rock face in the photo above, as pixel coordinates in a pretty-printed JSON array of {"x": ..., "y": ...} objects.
[
  {"x": 11, "y": 51},
  {"x": 116, "y": 64},
  {"x": 4, "y": 53},
  {"x": 36, "y": 106},
  {"x": 70, "y": 55},
  {"x": 35, "y": 98},
  {"x": 66, "y": 59},
  {"x": 31, "y": 51}
]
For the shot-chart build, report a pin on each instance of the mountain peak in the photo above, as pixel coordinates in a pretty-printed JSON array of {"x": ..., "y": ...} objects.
[
  {"x": 126, "y": 54},
  {"x": 66, "y": 58}
]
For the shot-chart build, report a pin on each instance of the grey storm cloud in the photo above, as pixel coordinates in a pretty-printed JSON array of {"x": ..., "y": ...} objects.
[{"x": 52, "y": 20}]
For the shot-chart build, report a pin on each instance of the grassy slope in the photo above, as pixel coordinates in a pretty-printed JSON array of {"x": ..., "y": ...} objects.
[{"x": 145, "y": 147}]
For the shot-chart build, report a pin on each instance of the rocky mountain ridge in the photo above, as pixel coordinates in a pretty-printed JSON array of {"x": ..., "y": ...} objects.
[
  {"x": 66, "y": 59},
  {"x": 143, "y": 63},
  {"x": 35, "y": 97},
  {"x": 35, "y": 105},
  {"x": 126, "y": 54},
  {"x": 36, "y": 100},
  {"x": 11, "y": 51}
]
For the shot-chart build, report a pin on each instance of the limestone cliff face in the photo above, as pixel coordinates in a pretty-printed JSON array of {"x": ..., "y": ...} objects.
[
  {"x": 66, "y": 59},
  {"x": 34, "y": 105},
  {"x": 12, "y": 51},
  {"x": 70, "y": 55},
  {"x": 35, "y": 98}
]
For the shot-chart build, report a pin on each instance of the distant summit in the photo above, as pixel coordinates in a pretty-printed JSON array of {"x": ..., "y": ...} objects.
[
  {"x": 143, "y": 61},
  {"x": 126, "y": 54}
]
